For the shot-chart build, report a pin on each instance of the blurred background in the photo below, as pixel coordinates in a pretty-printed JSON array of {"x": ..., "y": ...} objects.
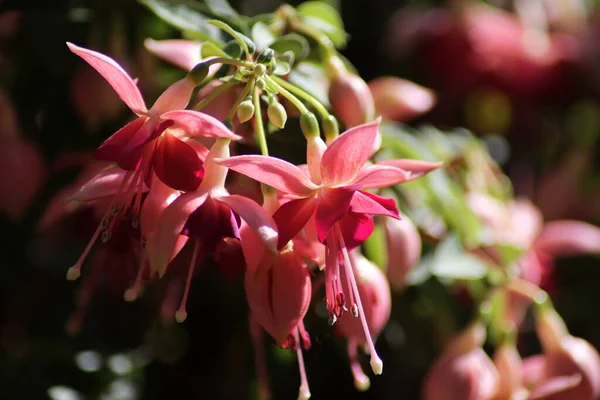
[{"x": 535, "y": 103}]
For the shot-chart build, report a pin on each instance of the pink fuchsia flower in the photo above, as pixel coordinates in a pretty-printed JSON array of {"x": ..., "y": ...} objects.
[
  {"x": 463, "y": 371},
  {"x": 184, "y": 54},
  {"x": 400, "y": 100},
  {"x": 190, "y": 215},
  {"x": 376, "y": 299},
  {"x": 571, "y": 365},
  {"x": 332, "y": 193},
  {"x": 403, "y": 249},
  {"x": 153, "y": 141},
  {"x": 509, "y": 364}
]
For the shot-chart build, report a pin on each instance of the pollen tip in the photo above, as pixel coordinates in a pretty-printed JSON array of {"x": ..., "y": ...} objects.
[
  {"x": 362, "y": 384},
  {"x": 73, "y": 273},
  {"x": 180, "y": 316},
  {"x": 376, "y": 364},
  {"x": 304, "y": 394},
  {"x": 131, "y": 295}
]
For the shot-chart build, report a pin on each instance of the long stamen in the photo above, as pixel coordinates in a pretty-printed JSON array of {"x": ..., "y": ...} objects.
[
  {"x": 361, "y": 381},
  {"x": 304, "y": 392},
  {"x": 256, "y": 333},
  {"x": 181, "y": 313},
  {"x": 133, "y": 292},
  {"x": 376, "y": 363}
]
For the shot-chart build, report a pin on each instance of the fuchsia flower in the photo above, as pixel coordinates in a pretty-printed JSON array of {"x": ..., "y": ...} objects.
[
  {"x": 211, "y": 217},
  {"x": 136, "y": 147},
  {"x": 399, "y": 99},
  {"x": 333, "y": 194},
  {"x": 403, "y": 249}
]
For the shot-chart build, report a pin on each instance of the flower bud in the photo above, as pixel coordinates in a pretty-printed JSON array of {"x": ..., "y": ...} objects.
[
  {"x": 199, "y": 73},
  {"x": 403, "y": 249},
  {"x": 277, "y": 114},
  {"x": 309, "y": 125},
  {"x": 350, "y": 97},
  {"x": 463, "y": 370},
  {"x": 400, "y": 100},
  {"x": 266, "y": 56},
  {"x": 331, "y": 128},
  {"x": 245, "y": 110}
]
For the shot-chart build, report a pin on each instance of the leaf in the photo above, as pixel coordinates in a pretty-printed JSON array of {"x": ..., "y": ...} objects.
[
  {"x": 311, "y": 77},
  {"x": 233, "y": 49},
  {"x": 185, "y": 17},
  {"x": 452, "y": 262},
  {"x": 261, "y": 35},
  {"x": 244, "y": 41},
  {"x": 325, "y": 18},
  {"x": 211, "y": 50},
  {"x": 291, "y": 42},
  {"x": 281, "y": 68}
]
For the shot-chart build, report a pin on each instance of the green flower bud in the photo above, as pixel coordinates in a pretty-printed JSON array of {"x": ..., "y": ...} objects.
[
  {"x": 245, "y": 110},
  {"x": 309, "y": 125},
  {"x": 331, "y": 127},
  {"x": 259, "y": 70},
  {"x": 266, "y": 56},
  {"x": 277, "y": 114},
  {"x": 261, "y": 84},
  {"x": 198, "y": 73}
]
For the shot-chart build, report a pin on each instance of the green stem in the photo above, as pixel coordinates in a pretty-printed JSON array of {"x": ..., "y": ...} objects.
[
  {"x": 260, "y": 128},
  {"x": 249, "y": 86},
  {"x": 213, "y": 95},
  {"x": 285, "y": 93},
  {"x": 321, "y": 109},
  {"x": 230, "y": 61}
]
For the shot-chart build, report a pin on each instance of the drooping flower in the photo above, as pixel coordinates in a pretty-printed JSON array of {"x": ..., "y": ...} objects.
[
  {"x": 463, "y": 371},
  {"x": 332, "y": 193},
  {"x": 210, "y": 217},
  {"x": 153, "y": 141}
]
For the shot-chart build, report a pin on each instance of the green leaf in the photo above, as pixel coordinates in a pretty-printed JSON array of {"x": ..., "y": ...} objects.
[
  {"x": 209, "y": 49},
  {"x": 261, "y": 35},
  {"x": 311, "y": 77},
  {"x": 185, "y": 17},
  {"x": 233, "y": 49},
  {"x": 325, "y": 18},
  {"x": 281, "y": 68},
  {"x": 244, "y": 41},
  {"x": 294, "y": 43},
  {"x": 451, "y": 262}
]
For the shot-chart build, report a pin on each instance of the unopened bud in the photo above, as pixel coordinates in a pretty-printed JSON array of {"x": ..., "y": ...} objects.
[
  {"x": 309, "y": 125},
  {"x": 198, "y": 73},
  {"x": 277, "y": 114},
  {"x": 403, "y": 249},
  {"x": 351, "y": 99},
  {"x": 245, "y": 110},
  {"x": 266, "y": 56},
  {"x": 400, "y": 100},
  {"x": 259, "y": 70},
  {"x": 331, "y": 128}
]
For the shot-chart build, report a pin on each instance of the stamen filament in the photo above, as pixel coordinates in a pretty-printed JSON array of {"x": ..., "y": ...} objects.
[
  {"x": 361, "y": 381},
  {"x": 376, "y": 363},
  {"x": 304, "y": 392},
  {"x": 133, "y": 292},
  {"x": 181, "y": 313}
]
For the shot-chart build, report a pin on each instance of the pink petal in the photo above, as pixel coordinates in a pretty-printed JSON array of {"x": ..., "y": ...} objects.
[
  {"x": 111, "y": 148},
  {"x": 417, "y": 168},
  {"x": 104, "y": 184},
  {"x": 256, "y": 218},
  {"x": 175, "y": 97},
  {"x": 332, "y": 205},
  {"x": 378, "y": 176},
  {"x": 279, "y": 174},
  {"x": 292, "y": 216},
  {"x": 348, "y": 153},
  {"x": 177, "y": 164},
  {"x": 151, "y": 130},
  {"x": 115, "y": 76},
  {"x": 533, "y": 370},
  {"x": 170, "y": 225},
  {"x": 356, "y": 228},
  {"x": 158, "y": 199},
  {"x": 195, "y": 123},
  {"x": 555, "y": 386},
  {"x": 184, "y": 54},
  {"x": 568, "y": 237},
  {"x": 369, "y": 203}
]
